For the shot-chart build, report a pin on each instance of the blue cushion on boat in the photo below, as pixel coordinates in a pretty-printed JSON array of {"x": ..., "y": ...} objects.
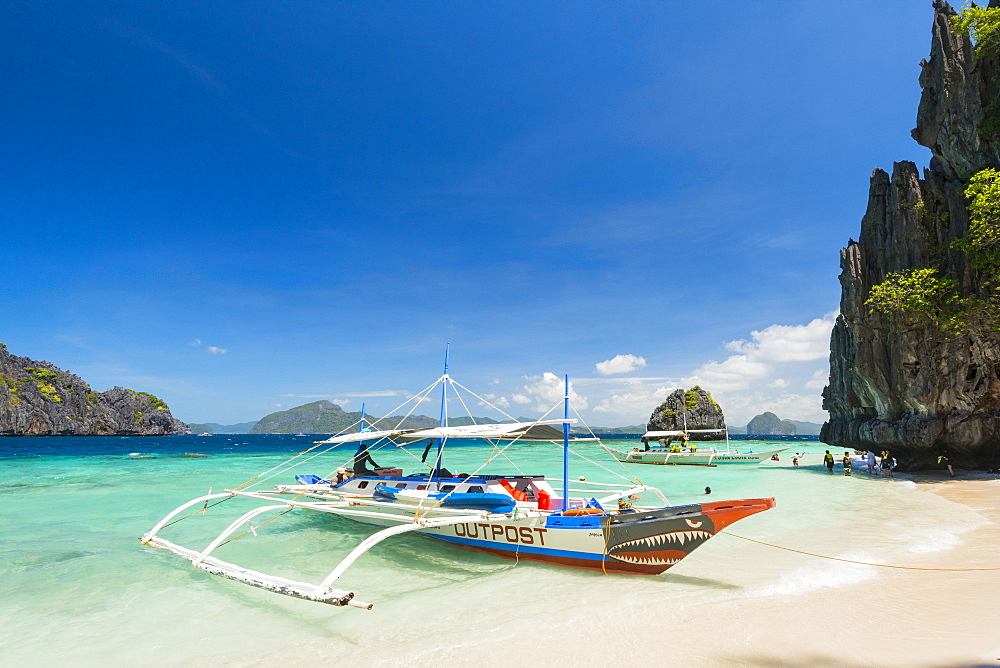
[{"x": 310, "y": 479}]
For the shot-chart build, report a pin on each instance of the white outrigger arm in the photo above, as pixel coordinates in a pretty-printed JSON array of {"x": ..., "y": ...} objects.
[{"x": 321, "y": 593}]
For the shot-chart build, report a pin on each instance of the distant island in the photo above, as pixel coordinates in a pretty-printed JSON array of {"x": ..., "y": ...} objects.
[
  {"x": 769, "y": 424},
  {"x": 326, "y": 417}
]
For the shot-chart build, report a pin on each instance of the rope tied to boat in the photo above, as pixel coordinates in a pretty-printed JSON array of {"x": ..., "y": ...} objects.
[{"x": 863, "y": 563}]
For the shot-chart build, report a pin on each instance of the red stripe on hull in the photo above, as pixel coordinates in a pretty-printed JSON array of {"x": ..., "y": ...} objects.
[
  {"x": 610, "y": 565},
  {"x": 724, "y": 513}
]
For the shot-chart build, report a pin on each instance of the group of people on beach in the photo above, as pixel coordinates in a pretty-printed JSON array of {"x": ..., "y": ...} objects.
[{"x": 876, "y": 466}]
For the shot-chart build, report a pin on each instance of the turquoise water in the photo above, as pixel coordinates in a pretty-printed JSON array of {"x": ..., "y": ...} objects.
[{"x": 79, "y": 588}]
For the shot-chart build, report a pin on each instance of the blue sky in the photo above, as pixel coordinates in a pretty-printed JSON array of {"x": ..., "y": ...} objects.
[{"x": 242, "y": 207}]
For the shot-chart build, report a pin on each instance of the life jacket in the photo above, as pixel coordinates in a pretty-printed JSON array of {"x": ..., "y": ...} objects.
[{"x": 518, "y": 495}]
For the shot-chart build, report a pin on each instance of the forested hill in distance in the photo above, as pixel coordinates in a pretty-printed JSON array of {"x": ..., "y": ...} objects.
[
  {"x": 325, "y": 417},
  {"x": 216, "y": 428},
  {"x": 769, "y": 424}
]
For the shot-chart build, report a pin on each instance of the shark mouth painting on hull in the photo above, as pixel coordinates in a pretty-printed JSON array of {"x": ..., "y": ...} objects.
[
  {"x": 653, "y": 541},
  {"x": 656, "y": 545},
  {"x": 664, "y": 549}
]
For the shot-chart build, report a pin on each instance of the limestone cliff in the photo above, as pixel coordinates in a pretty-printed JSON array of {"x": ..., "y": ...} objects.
[
  {"x": 910, "y": 389},
  {"x": 692, "y": 409},
  {"x": 40, "y": 399}
]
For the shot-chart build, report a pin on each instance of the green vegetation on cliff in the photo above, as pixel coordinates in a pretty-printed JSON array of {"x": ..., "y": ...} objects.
[
  {"x": 982, "y": 24},
  {"x": 324, "y": 417},
  {"x": 927, "y": 297}
]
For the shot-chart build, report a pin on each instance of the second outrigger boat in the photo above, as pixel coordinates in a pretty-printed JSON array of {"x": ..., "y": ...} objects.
[
  {"x": 584, "y": 524},
  {"x": 658, "y": 448}
]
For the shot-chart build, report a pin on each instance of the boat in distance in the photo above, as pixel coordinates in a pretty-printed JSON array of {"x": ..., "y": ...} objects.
[
  {"x": 664, "y": 452},
  {"x": 594, "y": 525}
]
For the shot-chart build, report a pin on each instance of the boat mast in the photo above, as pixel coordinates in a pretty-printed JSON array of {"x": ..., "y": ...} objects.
[
  {"x": 566, "y": 446},
  {"x": 443, "y": 421}
]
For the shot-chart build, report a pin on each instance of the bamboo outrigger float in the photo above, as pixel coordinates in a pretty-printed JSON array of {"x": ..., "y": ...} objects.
[{"x": 589, "y": 525}]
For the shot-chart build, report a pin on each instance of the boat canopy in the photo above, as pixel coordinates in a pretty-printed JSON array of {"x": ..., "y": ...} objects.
[
  {"x": 664, "y": 434},
  {"x": 543, "y": 430}
]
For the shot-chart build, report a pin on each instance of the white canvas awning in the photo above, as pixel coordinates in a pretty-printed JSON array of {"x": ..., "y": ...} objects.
[
  {"x": 666, "y": 434},
  {"x": 543, "y": 430}
]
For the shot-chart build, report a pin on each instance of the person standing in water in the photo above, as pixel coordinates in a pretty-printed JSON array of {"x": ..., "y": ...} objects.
[
  {"x": 828, "y": 460},
  {"x": 887, "y": 463},
  {"x": 870, "y": 457},
  {"x": 943, "y": 459},
  {"x": 848, "y": 469}
]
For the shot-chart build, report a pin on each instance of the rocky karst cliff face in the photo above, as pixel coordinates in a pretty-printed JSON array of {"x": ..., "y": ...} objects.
[
  {"x": 916, "y": 390},
  {"x": 40, "y": 399},
  {"x": 691, "y": 409}
]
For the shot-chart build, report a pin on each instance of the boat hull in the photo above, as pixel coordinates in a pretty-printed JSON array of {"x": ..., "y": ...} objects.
[
  {"x": 641, "y": 541},
  {"x": 706, "y": 458}
]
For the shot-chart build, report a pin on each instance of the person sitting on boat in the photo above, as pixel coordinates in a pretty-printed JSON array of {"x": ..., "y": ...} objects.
[
  {"x": 341, "y": 475},
  {"x": 689, "y": 444}
]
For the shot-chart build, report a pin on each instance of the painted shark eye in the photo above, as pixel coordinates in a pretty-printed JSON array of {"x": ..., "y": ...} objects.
[{"x": 693, "y": 524}]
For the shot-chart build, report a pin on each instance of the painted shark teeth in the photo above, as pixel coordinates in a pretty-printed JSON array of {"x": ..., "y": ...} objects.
[
  {"x": 669, "y": 540},
  {"x": 648, "y": 561}
]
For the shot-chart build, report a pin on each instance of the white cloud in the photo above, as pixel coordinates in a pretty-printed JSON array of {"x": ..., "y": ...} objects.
[
  {"x": 633, "y": 401},
  {"x": 742, "y": 406},
  {"x": 195, "y": 343},
  {"x": 788, "y": 343},
  {"x": 757, "y": 377},
  {"x": 620, "y": 364},
  {"x": 547, "y": 390},
  {"x": 495, "y": 381},
  {"x": 771, "y": 348},
  {"x": 818, "y": 380},
  {"x": 215, "y": 350},
  {"x": 520, "y": 399},
  {"x": 494, "y": 400}
]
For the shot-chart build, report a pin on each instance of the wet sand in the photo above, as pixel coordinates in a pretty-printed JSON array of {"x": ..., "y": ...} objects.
[
  {"x": 914, "y": 618},
  {"x": 905, "y": 617}
]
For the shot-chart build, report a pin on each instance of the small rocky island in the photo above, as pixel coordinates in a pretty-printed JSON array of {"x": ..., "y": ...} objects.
[
  {"x": 688, "y": 410},
  {"x": 927, "y": 381},
  {"x": 40, "y": 399},
  {"x": 769, "y": 424}
]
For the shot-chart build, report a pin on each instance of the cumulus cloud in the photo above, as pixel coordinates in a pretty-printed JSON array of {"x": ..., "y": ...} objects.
[
  {"x": 546, "y": 391},
  {"x": 740, "y": 407},
  {"x": 520, "y": 399},
  {"x": 620, "y": 364},
  {"x": 215, "y": 350},
  {"x": 758, "y": 376},
  {"x": 818, "y": 380},
  {"x": 494, "y": 400},
  {"x": 633, "y": 400},
  {"x": 768, "y": 350}
]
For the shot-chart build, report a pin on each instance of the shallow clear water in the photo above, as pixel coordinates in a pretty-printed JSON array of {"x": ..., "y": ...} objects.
[{"x": 79, "y": 588}]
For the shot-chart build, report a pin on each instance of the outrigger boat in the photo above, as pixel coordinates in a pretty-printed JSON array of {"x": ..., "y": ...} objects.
[
  {"x": 587, "y": 525},
  {"x": 663, "y": 451}
]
